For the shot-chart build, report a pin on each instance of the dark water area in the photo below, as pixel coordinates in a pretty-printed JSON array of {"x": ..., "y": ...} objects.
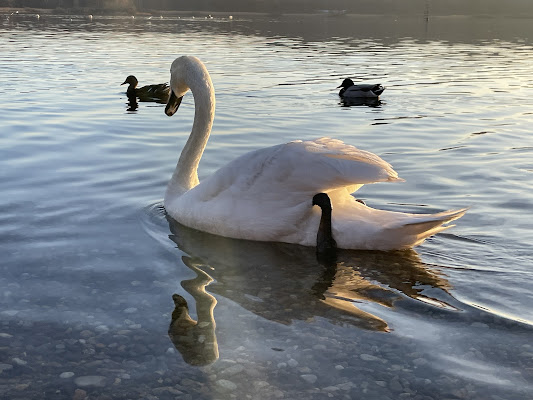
[{"x": 103, "y": 297}]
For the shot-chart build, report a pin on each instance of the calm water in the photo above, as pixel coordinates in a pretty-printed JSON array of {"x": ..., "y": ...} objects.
[{"x": 90, "y": 263}]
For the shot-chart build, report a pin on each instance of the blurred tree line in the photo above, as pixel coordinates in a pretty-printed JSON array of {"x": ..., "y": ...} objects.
[{"x": 389, "y": 7}]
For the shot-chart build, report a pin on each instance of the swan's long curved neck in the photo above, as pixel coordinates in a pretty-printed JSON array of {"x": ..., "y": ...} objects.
[
  {"x": 324, "y": 235},
  {"x": 185, "y": 175}
]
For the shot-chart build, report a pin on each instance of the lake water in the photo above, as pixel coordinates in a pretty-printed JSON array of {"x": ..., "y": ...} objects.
[{"x": 90, "y": 264}]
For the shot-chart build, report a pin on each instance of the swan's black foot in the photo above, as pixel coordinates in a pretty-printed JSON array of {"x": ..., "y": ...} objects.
[{"x": 361, "y": 201}]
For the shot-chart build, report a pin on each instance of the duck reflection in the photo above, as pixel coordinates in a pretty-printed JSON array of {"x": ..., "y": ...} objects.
[
  {"x": 285, "y": 282},
  {"x": 132, "y": 103},
  {"x": 358, "y": 102}
]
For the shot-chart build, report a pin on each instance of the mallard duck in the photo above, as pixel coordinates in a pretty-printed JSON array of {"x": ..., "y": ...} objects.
[
  {"x": 157, "y": 92},
  {"x": 365, "y": 90}
]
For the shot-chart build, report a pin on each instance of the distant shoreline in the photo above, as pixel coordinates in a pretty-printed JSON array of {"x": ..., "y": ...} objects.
[{"x": 175, "y": 13}]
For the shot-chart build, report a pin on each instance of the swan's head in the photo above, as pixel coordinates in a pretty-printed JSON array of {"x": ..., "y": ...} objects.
[
  {"x": 187, "y": 72},
  {"x": 178, "y": 85},
  {"x": 322, "y": 200},
  {"x": 173, "y": 103},
  {"x": 346, "y": 83},
  {"x": 131, "y": 80}
]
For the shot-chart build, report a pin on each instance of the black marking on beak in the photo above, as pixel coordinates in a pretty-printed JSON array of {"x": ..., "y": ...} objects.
[{"x": 172, "y": 104}]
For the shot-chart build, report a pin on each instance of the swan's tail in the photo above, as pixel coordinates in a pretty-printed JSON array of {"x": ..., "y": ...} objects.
[{"x": 415, "y": 232}]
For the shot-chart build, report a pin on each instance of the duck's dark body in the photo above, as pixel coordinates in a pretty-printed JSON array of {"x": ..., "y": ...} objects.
[
  {"x": 158, "y": 92},
  {"x": 365, "y": 90}
]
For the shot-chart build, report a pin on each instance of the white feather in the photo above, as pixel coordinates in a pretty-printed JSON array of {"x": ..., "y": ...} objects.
[{"x": 266, "y": 194}]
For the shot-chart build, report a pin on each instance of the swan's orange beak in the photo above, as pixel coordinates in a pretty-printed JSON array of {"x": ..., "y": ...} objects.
[{"x": 172, "y": 104}]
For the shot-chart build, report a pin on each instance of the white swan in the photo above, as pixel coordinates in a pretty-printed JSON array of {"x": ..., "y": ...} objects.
[{"x": 267, "y": 194}]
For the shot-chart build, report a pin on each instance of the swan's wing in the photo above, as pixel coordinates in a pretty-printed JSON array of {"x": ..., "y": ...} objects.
[
  {"x": 329, "y": 164},
  {"x": 300, "y": 167}
]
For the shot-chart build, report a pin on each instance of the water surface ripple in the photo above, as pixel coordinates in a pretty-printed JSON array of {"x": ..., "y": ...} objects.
[{"x": 90, "y": 262}]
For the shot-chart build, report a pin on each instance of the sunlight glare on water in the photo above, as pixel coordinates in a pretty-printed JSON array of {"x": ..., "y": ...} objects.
[{"x": 90, "y": 263}]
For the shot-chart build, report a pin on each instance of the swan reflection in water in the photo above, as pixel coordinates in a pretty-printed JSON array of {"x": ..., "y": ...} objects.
[
  {"x": 195, "y": 340},
  {"x": 285, "y": 282}
]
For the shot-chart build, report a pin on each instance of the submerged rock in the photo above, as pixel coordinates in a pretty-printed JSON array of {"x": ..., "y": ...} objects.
[
  {"x": 79, "y": 394},
  {"x": 90, "y": 380},
  {"x": 226, "y": 385},
  {"x": 310, "y": 378},
  {"x": 5, "y": 367}
]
